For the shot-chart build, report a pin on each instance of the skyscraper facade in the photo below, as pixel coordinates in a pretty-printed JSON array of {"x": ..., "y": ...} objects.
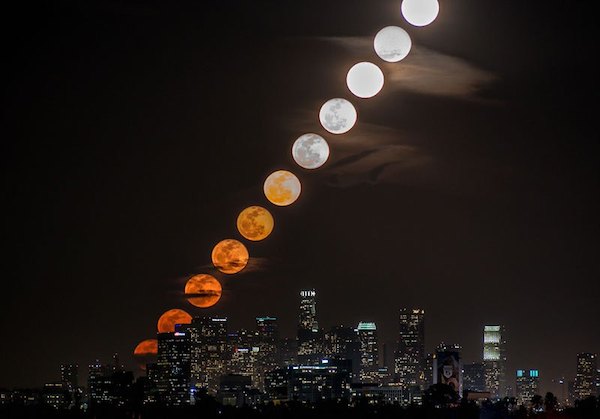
[
  {"x": 474, "y": 377},
  {"x": 409, "y": 360},
  {"x": 268, "y": 343},
  {"x": 173, "y": 363},
  {"x": 342, "y": 343},
  {"x": 369, "y": 352},
  {"x": 447, "y": 367},
  {"x": 69, "y": 376},
  {"x": 310, "y": 337},
  {"x": 528, "y": 385},
  {"x": 586, "y": 375},
  {"x": 494, "y": 359},
  {"x": 209, "y": 351}
]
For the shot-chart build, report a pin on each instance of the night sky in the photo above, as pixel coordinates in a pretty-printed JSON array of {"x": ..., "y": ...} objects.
[{"x": 135, "y": 131}]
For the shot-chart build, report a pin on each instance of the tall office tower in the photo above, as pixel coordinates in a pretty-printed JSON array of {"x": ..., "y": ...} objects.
[
  {"x": 310, "y": 337},
  {"x": 69, "y": 376},
  {"x": 528, "y": 384},
  {"x": 447, "y": 367},
  {"x": 98, "y": 383},
  {"x": 429, "y": 370},
  {"x": 474, "y": 377},
  {"x": 369, "y": 352},
  {"x": 585, "y": 378},
  {"x": 342, "y": 343},
  {"x": 116, "y": 364},
  {"x": 210, "y": 354},
  {"x": 313, "y": 383},
  {"x": 174, "y": 359},
  {"x": 268, "y": 343},
  {"x": 494, "y": 359},
  {"x": 288, "y": 352},
  {"x": 409, "y": 360},
  {"x": 245, "y": 356}
]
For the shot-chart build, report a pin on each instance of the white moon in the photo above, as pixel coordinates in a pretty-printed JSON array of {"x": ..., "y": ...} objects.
[
  {"x": 364, "y": 80},
  {"x": 392, "y": 44},
  {"x": 310, "y": 151},
  {"x": 337, "y": 116},
  {"x": 420, "y": 12}
]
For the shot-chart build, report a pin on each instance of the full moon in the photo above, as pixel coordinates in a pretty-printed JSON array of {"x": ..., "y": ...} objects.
[
  {"x": 255, "y": 223},
  {"x": 230, "y": 256},
  {"x": 392, "y": 44},
  {"x": 167, "y": 322},
  {"x": 337, "y": 116},
  {"x": 364, "y": 80},
  {"x": 203, "y": 290},
  {"x": 310, "y": 151},
  {"x": 420, "y": 12},
  {"x": 282, "y": 188}
]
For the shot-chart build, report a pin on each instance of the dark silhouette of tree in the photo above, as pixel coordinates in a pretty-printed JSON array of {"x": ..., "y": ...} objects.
[
  {"x": 440, "y": 395},
  {"x": 537, "y": 402},
  {"x": 550, "y": 402}
]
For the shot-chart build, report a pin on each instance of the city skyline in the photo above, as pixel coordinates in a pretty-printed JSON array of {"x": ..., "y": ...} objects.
[{"x": 137, "y": 134}]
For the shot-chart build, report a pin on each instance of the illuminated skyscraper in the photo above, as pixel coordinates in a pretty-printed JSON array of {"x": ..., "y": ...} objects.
[
  {"x": 369, "y": 352},
  {"x": 174, "y": 356},
  {"x": 69, "y": 376},
  {"x": 528, "y": 384},
  {"x": 209, "y": 351},
  {"x": 494, "y": 359},
  {"x": 409, "y": 365},
  {"x": 268, "y": 343},
  {"x": 342, "y": 343},
  {"x": 474, "y": 377},
  {"x": 585, "y": 380},
  {"x": 447, "y": 367},
  {"x": 310, "y": 337},
  {"x": 245, "y": 356}
]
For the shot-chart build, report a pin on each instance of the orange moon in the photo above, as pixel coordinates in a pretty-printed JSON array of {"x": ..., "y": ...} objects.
[
  {"x": 148, "y": 347},
  {"x": 255, "y": 223},
  {"x": 203, "y": 290},
  {"x": 230, "y": 256},
  {"x": 170, "y": 318},
  {"x": 282, "y": 188}
]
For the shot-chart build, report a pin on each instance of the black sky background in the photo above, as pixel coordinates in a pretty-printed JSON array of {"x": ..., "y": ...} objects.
[{"x": 135, "y": 132}]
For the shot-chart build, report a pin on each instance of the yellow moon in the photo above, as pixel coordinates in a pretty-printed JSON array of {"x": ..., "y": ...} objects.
[
  {"x": 203, "y": 290},
  {"x": 255, "y": 223},
  {"x": 230, "y": 256},
  {"x": 282, "y": 188},
  {"x": 166, "y": 322}
]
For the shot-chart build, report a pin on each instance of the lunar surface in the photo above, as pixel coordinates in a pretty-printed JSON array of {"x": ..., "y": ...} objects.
[
  {"x": 167, "y": 322},
  {"x": 255, "y": 223},
  {"x": 282, "y": 188},
  {"x": 146, "y": 347},
  {"x": 337, "y": 116},
  {"x": 365, "y": 80},
  {"x": 310, "y": 151},
  {"x": 230, "y": 256},
  {"x": 420, "y": 12},
  {"x": 203, "y": 290},
  {"x": 392, "y": 44}
]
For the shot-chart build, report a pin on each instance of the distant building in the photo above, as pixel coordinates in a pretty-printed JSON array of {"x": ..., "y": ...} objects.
[
  {"x": 429, "y": 358},
  {"x": 276, "y": 385},
  {"x": 369, "y": 352},
  {"x": 586, "y": 375},
  {"x": 234, "y": 390},
  {"x": 528, "y": 385},
  {"x": 474, "y": 377},
  {"x": 268, "y": 343},
  {"x": 494, "y": 359},
  {"x": 409, "y": 360},
  {"x": 209, "y": 352},
  {"x": 313, "y": 383},
  {"x": 447, "y": 367},
  {"x": 377, "y": 395},
  {"x": 174, "y": 360},
  {"x": 99, "y": 383},
  {"x": 310, "y": 337},
  {"x": 342, "y": 342},
  {"x": 69, "y": 376},
  {"x": 55, "y": 395},
  {"x": 288, "y": 352},
  {"x": 245, "y": 356}
]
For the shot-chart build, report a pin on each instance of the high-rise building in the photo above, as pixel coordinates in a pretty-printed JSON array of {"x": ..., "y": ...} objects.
[
  {"x": 409, "y": 362},
  {"x": 312, "y": 383},
  {"x": 245, "y": 356},
  {"x": 209, "y": 352},
  {"x": 310, "y": 337},
  {"x": 342, "y": 343},
  {"x": 586, "y": 375},
  {"x": 474, "y": 377},
  {"x": 494, "y": 359},
  {"x": 528, "y": 385},
  {"x": 447, "y": 367},
  {"x": 369, "y": 352},
  {"x": 69, "y": 376},
  {"x": 288, "y": 352},
  {"x": 429, "y": 370},
  {"x": 98, "y": 383},
  {"x": 173, "y": 363},
  {"x": 268, "y": 343}
]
